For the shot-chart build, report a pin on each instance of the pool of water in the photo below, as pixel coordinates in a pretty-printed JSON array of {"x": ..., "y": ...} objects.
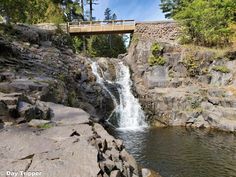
[{"x": 180, "y": 152}]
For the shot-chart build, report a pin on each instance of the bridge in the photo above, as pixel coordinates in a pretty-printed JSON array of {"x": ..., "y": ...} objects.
[
  {"x": 159, "y": 30},
  {"x": 101, "y": 27}
]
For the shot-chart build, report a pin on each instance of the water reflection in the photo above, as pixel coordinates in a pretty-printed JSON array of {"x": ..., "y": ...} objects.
[{"x": 180, "y": 152}]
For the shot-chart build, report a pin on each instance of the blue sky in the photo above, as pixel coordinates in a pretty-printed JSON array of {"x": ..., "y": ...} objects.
[{"x": 139, "y": 10}]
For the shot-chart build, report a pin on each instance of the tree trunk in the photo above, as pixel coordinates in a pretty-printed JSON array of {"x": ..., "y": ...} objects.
[
  {"x": 82, "y": 7},
  {"x": 91, "y": 9}
]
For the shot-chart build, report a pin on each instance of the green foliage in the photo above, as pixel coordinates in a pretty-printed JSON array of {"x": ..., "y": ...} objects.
[
  {"x": 72, "y": 9},
  {"x": 192, "y": 65},
  {"x": 45, "y": 126},
  {"x": 77, "y": 43},
  {"x": 31, "y": 11},
  {"x": 99, "y": 46},
  {"x": 195, "y": 104},
  {"x": 72, "y": 101},
  {"x": 106, "y": 45},
  {"x": 203, "y": 22},
  {"x": 156, "y": 58},
  {"x": 62, "y": 77},
  {"x": 156, "y": 49},
  {"x": 38, "y": 11},
  {"x": 222, "y": 69}
]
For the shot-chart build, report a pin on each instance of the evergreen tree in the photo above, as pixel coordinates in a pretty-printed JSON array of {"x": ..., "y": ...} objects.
[
  {"x": 107, "y": 14},
  {"x": 170, "y": 7},
  {"x": 114, "y": 17}
]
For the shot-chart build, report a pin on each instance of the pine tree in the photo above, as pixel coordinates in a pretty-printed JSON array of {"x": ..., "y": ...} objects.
[
  {"x": 107, "y": 14},
  {"x": 114, "y": 17},
  {"x": 170, "y": 7}
]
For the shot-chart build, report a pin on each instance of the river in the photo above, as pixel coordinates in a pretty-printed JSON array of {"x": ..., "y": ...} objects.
[
  {"x": 180, "y": 152},
  {"x": 173, "y": 152}
]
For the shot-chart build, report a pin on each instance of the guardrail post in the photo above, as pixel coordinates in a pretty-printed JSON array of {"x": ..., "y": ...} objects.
[{"x": 68, "y": 28}]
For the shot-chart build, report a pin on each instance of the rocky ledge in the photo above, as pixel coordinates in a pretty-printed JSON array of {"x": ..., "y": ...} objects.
[
  {"x": 69, "y": 144},
  {"x": 190, "y": 86},
  {"x": 41, "y": 79}
]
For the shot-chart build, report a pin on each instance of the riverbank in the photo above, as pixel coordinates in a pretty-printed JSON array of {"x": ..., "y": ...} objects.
[
  {"x": 41, "y": 79},
  {"x": 70, "y": 144},
  {"x": 183, "y": 85}
]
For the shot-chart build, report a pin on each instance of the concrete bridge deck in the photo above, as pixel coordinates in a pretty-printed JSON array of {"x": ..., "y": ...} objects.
[{"x": 101, "y": 27}]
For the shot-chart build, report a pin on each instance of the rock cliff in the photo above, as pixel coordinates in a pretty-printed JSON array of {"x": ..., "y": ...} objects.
[
  {"x": 42, "y": 64},
  {"x": 40, "y": 135},
  {"x": 192, "y": 86}
]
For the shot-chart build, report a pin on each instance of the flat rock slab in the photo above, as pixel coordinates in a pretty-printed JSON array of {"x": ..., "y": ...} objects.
[
  {"x": 58, "y": 151},
  {"x": 68, "y": 115}
]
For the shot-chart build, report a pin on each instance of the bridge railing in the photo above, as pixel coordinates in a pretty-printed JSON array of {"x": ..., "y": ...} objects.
[
  {"x": 100, "y": 25},
  {"x": 104, "y": 22}
]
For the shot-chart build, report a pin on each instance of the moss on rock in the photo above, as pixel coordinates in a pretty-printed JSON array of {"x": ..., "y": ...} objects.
[{"x": 222, "y": 69}]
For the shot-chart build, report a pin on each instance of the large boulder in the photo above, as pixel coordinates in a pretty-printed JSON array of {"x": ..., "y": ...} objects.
[{"x": 37, "y": 111}]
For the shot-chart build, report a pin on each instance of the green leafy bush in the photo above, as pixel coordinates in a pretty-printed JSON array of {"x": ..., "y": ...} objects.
[
  {"x": 156, "y": 57},
  {"x": 152, "y": 60},
  {"x": 156, "y": 49},
  {"x": 192, "y": 65},
  {"x": 222, "y": 69},
  {"x": 203, "y": 22},
  {"x": 77, "y": 44}
]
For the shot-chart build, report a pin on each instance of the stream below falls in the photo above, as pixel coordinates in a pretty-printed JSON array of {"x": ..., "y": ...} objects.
[
  {"x": 173, "y": 152},
  {"x": 179, "y": 152}
]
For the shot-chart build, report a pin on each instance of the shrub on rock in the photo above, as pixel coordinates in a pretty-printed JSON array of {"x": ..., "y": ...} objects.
[{"x": 156, "y": 57}]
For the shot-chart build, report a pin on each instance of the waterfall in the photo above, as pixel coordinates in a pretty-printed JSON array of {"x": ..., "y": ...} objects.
[
  {"x": 101, "y": 81},
  {"x": 131, "y": 113},
  {"x": 128, "y": 111}
]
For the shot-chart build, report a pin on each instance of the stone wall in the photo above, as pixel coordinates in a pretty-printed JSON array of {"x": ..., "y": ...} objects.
[{"x": 166, "y": 31}]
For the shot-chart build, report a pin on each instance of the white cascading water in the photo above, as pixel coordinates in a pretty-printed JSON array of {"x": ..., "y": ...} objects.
[
  {"x": 100, "y": 80},
  {"x": 131, "y": 115}
]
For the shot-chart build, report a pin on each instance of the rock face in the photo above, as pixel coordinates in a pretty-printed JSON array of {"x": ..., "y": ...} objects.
[
  {"x": 41, "y": 64},
  {"x": 71, "y": 146},
  {"x": 39, "y": 136},
  {"x": 195, "y": 87}
]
